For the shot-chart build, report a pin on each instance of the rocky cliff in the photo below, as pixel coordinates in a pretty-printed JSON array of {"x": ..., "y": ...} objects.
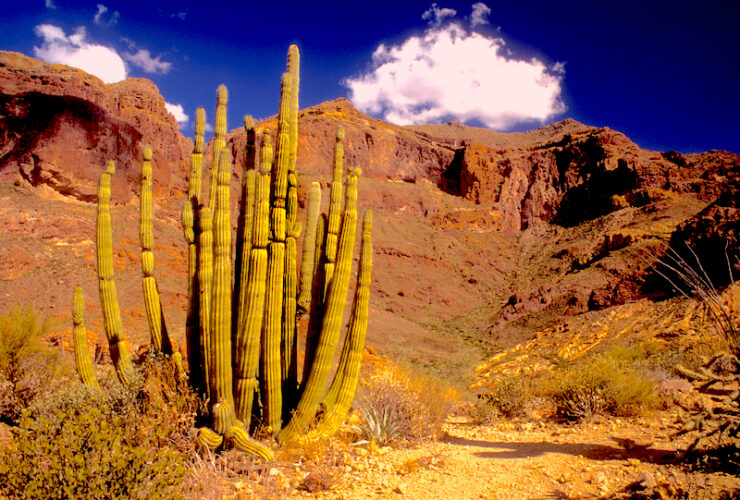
[
  {"x": 59, "y": 126},
  {"x": 481, "y": 238}
]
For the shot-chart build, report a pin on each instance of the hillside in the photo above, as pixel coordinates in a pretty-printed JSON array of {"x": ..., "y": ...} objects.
[{"x": 481, "y": 239}]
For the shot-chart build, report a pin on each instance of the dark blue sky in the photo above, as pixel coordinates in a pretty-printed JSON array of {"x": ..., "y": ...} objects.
[{"x": 664, "y": 73}]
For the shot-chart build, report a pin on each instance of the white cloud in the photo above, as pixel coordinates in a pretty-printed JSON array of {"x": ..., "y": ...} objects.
[
  {"x": 480, "y": 14},
  {"x": 180, "y": 15},
  {"x": 100, "y": 14},
  {"x": 75, "y": 50},
  {"x": 143, "y": 59},
  {"x": 50, "y": 4},
  {"x": 449, "y": 72},
  {"x": 178, "y": 112},
  {"x": 434, "y": 15}
]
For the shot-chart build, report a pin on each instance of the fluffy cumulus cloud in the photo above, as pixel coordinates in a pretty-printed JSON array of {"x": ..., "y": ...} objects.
[
  {"x": 144, "y": 60},
  {"x": 75, "y": 50},
  {"x": 178, "y": 112},
  {"x": 450, "y": 71}
]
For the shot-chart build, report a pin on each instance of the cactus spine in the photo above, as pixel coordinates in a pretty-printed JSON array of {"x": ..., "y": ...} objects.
[
  {"x": 83, "y": 363},
  {"x": 108, "y": 298}
]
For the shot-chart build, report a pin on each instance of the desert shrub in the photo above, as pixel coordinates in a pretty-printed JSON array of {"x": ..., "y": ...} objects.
[
  {"x": 612, "y": 383},
  {"x": 80, "y": 442},
  {"x": 395, "y": 403},
  {"x": 511, "y": 396},
  {"x": 28, "y": 366},
  {"x": 93, "y": 454}
]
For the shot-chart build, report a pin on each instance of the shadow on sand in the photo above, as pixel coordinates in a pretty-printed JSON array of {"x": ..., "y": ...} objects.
[{"x": 514, "y": 449}]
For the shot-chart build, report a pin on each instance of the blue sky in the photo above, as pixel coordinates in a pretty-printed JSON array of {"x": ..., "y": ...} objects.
[{"x": 664, "y": 73}]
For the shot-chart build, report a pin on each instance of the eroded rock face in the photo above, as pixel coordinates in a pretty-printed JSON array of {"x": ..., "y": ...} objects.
[{"x": 60, "y": 125}]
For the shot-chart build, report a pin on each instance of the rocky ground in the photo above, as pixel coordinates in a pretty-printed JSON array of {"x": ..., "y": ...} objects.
[{"x": 603, "y": 458}]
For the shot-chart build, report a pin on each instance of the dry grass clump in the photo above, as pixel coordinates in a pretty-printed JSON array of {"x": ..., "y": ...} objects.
[
  {"x": 396, "y": 404},
  {"x": 28, "y": 366},
  {"x": 613, "y": 383}
]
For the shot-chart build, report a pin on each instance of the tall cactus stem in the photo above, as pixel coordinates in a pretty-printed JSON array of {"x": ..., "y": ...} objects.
[
  {"x": 192, "y": 237},
  {"x": 247, "y": 350},
  {"x": 309, "y": 245},
  {"x": 219, "y": 142},
  {"x": 220, "y": 370},
  {"x": 153, "y": 305},
  {"x": 245, "y": 221},
  {"x": 342, "y": 390},
  {"x": 333, "y": 311},
  {"x": 293, "y": 71},
  {"x": 200, "y": 365},
  {"x": 289, "y": 343},
  {"x": 317, "y": 297},
  {"x": 83, "y": 363},
  {"x": 335, "y": 202},
  {"x": 108, "y": 298}
]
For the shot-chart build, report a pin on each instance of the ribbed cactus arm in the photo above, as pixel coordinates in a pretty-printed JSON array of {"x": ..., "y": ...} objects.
[
  {"x": 342, "y": 391},
  {"x": 201, "y": 377},
  {"x": 335, "y": 207},
  {"x": 247, "y": 350},
  {"x": 219, "y": 142},
  {"x": 220, "y": 341},
  {"x": 337, "y": 297},
  {"x": 117, "y": 344},
  {"x": 155, "y": 316},
  {"x": 83, "y": 363},
  {"x": 309, "y": 244}
]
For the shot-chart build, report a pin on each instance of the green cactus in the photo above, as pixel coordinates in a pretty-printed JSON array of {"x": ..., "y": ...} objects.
[
  {"x": 157, "y": 327},
  {"x": 342, "y": 390},
  {"x": 83, "y": 363},
  {"x": 192, "y": 324},
  {"x": 117, "y": 344},
  {"x": 242, "y": 343}
]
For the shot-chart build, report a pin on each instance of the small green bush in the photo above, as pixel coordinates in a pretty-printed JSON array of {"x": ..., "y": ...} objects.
[
  {"x": 28, "y": 366},
  {"x": 81, "y": 442},
  {"x": 613, "y": 383},
  {"x": 511, "y": 396},
  {"x": 394, "y": 403},
  {"x": 86, "y": 455}
]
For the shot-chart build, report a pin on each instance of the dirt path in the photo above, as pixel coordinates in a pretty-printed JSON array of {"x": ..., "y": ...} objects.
[{"x": 527, "y": 461}]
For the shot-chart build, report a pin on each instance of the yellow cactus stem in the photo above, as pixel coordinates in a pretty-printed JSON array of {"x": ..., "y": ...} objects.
[
  {"x": 219, "y": 129},
  {"x": 247, "y": 349},
  {"x": 240, "y": 439},
  {"x": 309, "y": 245},
  {"x": 220, "y": 373},
  {"x": 289, "y": 342},
  {"x": 332, "y": 321},
  {"x": 317, "y": 298},
  {"x": 271, "y": 369},
  {"x": 244, "y": 232},
  {"x": 192, "y": 236},
  {"x": 83, "y": 363},
  {"x": 200, "y": 375},
  {"x": 153, "y": 305},
  {"x": 293, "y": 70},
  {"x": 208, "y": 439},
  {"x": 342, "y": 391},
  {"x": 335, "y": 206},
  {"x": 108, "y": 298}
]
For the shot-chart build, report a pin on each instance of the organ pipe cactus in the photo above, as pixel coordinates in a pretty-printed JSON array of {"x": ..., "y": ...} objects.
[
  {"x": 157, "y": 328},
  {"x": 117, "y": 344},
  {"x": 83, "y": 363},
  {"x": 242, "y": 340}
]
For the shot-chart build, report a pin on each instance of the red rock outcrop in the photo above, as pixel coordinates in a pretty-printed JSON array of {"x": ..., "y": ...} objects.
[{"x": 60, "y": 125}]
